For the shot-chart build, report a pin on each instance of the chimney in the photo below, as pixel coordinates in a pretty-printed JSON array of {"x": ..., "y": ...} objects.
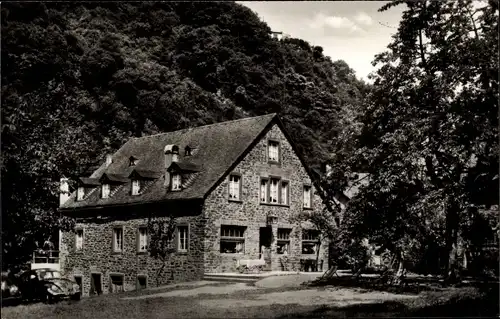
[
  {"x": 63, "y": 191},
  {"x": 171, "y": 156},
  {"x": 109, "y": 159}
]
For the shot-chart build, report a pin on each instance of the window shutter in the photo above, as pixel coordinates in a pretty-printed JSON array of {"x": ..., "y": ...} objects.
[
  {"x": 240, "y": 186},
  {"x": 138, "y": 239},
  {"x": 176, "y": 238},
  {"x": 188, "y": 235},
  {"x": 278, "y": 190}
]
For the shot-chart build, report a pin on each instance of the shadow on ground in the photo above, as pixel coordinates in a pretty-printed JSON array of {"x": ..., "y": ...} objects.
[{"x": 485, "y": 305}]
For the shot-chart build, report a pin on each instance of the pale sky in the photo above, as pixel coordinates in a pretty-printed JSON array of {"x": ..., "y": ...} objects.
[{"x": 352, "y": 31}]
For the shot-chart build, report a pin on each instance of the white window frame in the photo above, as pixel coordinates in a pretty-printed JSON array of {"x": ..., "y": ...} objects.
[
  {"x": 112, "y": 285},
  {"x": 80, "y": 193},
  {"x": 79, "y": 240},
  {"x": 307, "y": 196},
  {"x": 309, "y": 238},
  {"x": 284, "y": 192},
  {"x": 235, "y": 187},
  {"x": 264, "y": 186},
  {"x": 142, "y": 241},
  {"x": 176, "y": 182},
  {"x": 182, "y": 240},
  {"x": 233, "y": 233},
  {"x": 136, "y": 187},
  {"x": 273, "y": 153},
  {"x": 105, "y": 190},
  {"x": 284, "y": 235},
  {"x": 274, "y": 190},
  {"x": 118, "y": 248}
]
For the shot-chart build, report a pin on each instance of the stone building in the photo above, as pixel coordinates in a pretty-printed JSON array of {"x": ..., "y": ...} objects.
[{"x": 239, "y": 192}]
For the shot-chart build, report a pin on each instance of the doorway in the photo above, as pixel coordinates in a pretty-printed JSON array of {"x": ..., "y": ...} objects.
[
  {"x": 95, "y": 284},
  {"x": 265, "y": 240}
]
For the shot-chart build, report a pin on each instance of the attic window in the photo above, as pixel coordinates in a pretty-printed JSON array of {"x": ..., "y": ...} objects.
[
  {"x": 105, "y": 190},
  {"x": 136, "y": 187},
  {"x": 176, "y": 182},
  {"x": 132, "y": 161},
  {"x": 187, "y": 151},
  {"x": 80, "y": 193}
]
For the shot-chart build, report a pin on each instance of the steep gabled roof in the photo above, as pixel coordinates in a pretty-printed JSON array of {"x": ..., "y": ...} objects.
[
  {"x": 116, "y": 178},
  {"x": 146, "y": 174},
  {"x": 85, "y": 181},
  {"x": 184, "y": 166},
  {"x": 219, "y": 146}
]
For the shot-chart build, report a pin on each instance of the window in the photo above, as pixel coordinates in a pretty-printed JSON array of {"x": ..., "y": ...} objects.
[
  {"x": 79, "y": 239},
  {"x": 142, "y": 282},
  {"x": 80, "y": 193},
  {"x": 283, "y": 242},
  {"x": 182, "y": 238},
  {"x": 79, "y": 282},
  {"x": 263, "y": 190},
  {"x": 232, "y": 239},
  {"x": 95, "y": 284},
  {"x": 105, "y": 191},
  {"x": 116, "y": 283},
  {"x": 274, "y": 191},
  {"x": 142, "y": 240},
  {"x": 307, "y": 196},
  {"x": 234, "y": 187},
  {"x": 274, "y": 151},
  {"x": 284, "y": 193},
  {"x": 176, "y": 182},
  {"x": 136, "y": 187},
  {"x": 118, "y": 240},
  {"x": 310, "y": 241}
]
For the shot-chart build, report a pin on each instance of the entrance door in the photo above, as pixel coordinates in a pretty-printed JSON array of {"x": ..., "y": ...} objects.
[
  {"x": 265, "y": 239},
  {"x": 95, "y": 284}
]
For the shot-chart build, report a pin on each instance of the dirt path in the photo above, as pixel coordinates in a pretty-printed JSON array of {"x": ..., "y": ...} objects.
[
  {"x": 307, "y": 297},
  {"x": 260, "y": 294},
  {"x": 197, "y": 290}
]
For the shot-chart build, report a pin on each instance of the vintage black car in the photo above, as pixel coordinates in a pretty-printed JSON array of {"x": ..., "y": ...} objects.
[{"x": 47, "y": 285}]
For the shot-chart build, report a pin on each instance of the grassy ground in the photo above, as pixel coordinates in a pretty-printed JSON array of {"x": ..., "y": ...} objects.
[{"x": 230, "y": 300}]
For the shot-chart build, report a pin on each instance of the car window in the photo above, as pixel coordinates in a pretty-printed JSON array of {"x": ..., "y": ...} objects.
[{"x": 49, "y": 274}]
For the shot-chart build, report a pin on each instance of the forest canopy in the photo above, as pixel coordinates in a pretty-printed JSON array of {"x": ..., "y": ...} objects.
[{"x": 79, "y": 79}]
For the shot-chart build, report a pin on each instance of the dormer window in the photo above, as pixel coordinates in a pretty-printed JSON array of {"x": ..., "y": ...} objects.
[
  {"x": 132, "y": 161},
  {"x": 80, "y": 193},
  {"x": 105, "y": 190},
  {"x": 86, "y": 186},
  {"x": 273, "y": 151},
  {"x": 176, "y": 182},
  {"x": 136, "y": 187}
]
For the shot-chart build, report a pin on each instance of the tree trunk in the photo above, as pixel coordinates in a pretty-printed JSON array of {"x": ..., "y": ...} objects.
[
  {"x": 317, "y": 255},
  {"x": 451, "y": 242},
  {"x": 158, "y": 281},
  {"x": 398, "y": 275}
]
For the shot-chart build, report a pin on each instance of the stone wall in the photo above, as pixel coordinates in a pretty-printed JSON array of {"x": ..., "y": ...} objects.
[
  {"x": 97, "y": 255},
  {"x": 249, "y": 212}
]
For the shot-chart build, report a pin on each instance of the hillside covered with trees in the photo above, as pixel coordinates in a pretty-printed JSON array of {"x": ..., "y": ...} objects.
[{"x": 78, "y": 80}]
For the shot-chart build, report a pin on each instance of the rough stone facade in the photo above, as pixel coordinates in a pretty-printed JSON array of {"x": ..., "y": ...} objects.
[
  {"x": 97, "y": 256},
  {"x": 252, "y": 214},
  {"x": 203, "y": 254}
]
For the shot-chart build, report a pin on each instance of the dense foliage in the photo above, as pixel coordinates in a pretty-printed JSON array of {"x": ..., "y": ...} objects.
[
  {"x": 429, "y": 135},
  {"x": 79, "y": 79}
]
